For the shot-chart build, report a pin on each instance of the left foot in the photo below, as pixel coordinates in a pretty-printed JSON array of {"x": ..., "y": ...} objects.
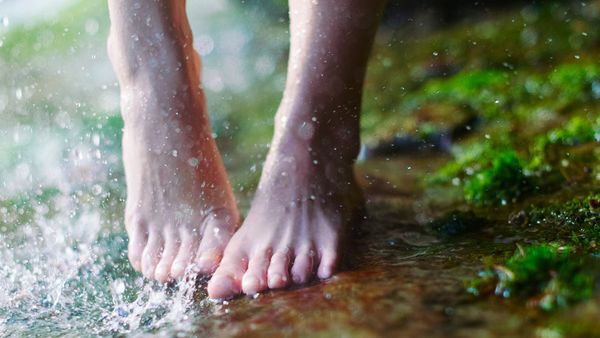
[{"x": 292, "y": 232}]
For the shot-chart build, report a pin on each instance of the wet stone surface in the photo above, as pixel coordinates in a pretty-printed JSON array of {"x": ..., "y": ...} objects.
[{"x": 398, "y": 280}]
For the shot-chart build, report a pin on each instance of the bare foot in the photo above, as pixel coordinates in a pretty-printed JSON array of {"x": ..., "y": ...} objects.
[
  {"x": 293, "y": 230},
  {"x": 180, "y": 211}
]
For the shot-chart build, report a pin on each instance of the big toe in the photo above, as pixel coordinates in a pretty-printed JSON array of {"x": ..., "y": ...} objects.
[
  {"x": 227, "y": 280},
  {"x": 223, "y": 287}
]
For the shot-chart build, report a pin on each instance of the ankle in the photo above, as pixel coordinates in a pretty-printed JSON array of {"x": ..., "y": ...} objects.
[
  {"x": 326, "y": 134},
  {"x": 180, "y": 107}
]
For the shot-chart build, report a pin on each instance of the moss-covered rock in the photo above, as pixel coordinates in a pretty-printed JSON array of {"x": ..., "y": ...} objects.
[
  {"x": 546, "y": 276},
  {"x": 502, "y": 183},
  {"x": 574, "y": 222}
]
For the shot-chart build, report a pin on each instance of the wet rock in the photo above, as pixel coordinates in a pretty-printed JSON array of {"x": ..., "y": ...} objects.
[
  {"x": 457, "y": 223},
  {"x": 518, "y": 219}
]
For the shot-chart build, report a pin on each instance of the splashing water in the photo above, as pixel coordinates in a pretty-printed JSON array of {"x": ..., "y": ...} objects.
[{"x": 65, "y": 268}]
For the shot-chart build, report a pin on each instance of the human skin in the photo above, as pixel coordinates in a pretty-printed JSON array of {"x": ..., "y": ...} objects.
[
  {"x": 180, "y": 212},
  {"x": 307, "y": 192}
]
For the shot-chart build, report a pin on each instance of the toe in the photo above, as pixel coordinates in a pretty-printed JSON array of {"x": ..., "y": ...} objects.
[
  {"x": 137, "y": 243},
  {"x": 163, "y": 269},
  {"x": 227, "y": 279},
  {"x": 187, "y": 249},
  {"x": 207, "y": 260},
  {"x": 255, "y": 278},
  {"x": 212, "y": 246},
  {"x": 303, "y": 266},
  {"x": 278, "y": 273},
  {"x": 152, "y": 254},
  {"x": 327, "y": 265}
]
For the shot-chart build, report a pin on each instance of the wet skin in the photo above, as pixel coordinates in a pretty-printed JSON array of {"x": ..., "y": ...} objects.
[{"x": 180, "y": 211}]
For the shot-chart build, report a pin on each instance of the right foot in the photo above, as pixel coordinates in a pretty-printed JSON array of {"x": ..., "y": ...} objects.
[
  {"x": 180, "y": 211},
  {"x": 306, "y": 197}
]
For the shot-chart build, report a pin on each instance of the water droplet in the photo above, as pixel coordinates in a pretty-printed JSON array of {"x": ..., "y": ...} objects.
[
  {"x": 192, "y": 161},
  {"x": 122, "y": 312},
  {"x": 306, "y": 131},
  {"x": 96, "y": 189}
]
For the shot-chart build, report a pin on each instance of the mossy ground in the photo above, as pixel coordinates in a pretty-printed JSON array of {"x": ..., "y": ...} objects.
[{"x": 538, "y": 134}]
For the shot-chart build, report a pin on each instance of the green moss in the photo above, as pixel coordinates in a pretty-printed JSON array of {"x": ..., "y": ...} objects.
[
  {"x": 549, "y": 149},
  {"x": 490, "y": 175},
  {"x": 535, "y": 64},
  {"x": 575, "y": 222},
  {"x": 502, "y": 183},
  {"x": 573, "y": 82},
  {"x": 483, "y": 92},
  {"x": 547, "y": 276}
]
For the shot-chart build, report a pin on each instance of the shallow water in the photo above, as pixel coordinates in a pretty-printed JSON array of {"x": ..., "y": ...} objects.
[{"x": 65, "y": 272}]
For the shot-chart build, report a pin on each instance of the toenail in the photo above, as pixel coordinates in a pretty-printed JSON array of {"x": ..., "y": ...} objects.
[
  {"x": 205, "y": 263},
  {"x": 275, "y": 279},
  {"x": 223, "y": 283},
  {"x": 251, "y": 284},
  {"x": 160, "y": 272},
  {"x": 204, "y": 259},
  {"x": 177, "y": 267},
  {"x": 297, "y": 279}
]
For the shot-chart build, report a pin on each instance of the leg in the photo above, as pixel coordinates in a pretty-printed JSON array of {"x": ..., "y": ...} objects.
[
  {"x": 180, "y": 209},
  {"x": 307, "y": 189}
]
